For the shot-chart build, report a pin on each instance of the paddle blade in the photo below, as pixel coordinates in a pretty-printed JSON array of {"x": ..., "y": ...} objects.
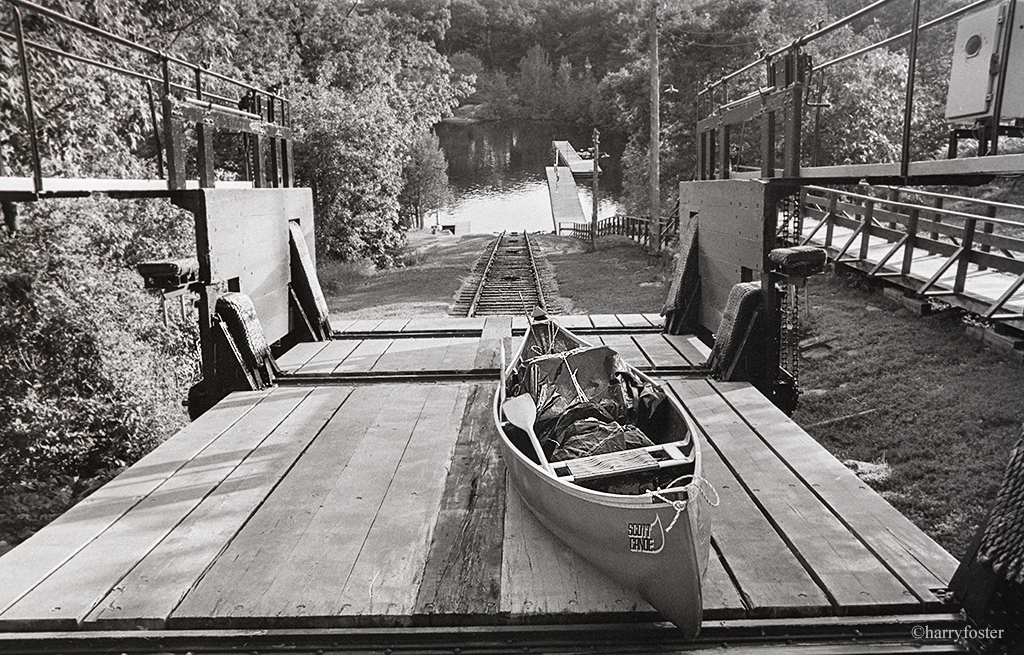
[{"x": 521, "y": 411}]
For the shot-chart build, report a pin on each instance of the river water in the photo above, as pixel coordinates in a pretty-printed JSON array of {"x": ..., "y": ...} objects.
[{"x": 496, "y": 174}]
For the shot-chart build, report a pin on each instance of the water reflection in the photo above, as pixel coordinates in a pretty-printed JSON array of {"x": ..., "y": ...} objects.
[{"x": 496, "y": 171}]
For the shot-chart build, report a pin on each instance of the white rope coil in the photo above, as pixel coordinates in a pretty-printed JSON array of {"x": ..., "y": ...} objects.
[{"x": 697, "y": 484}]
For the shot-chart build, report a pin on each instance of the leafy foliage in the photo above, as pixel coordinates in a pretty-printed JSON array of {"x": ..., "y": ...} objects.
[
  {"x": 90, "y": 374},
  {"x": 426, "y": 180}
]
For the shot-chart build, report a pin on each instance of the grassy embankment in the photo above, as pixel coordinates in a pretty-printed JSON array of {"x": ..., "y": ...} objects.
[{"x": 937, "y": 413}]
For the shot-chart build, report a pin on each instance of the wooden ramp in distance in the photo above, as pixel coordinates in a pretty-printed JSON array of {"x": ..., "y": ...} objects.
[
  {"x": 565, "y": 200},
  {"x": 328, "y": 505}
]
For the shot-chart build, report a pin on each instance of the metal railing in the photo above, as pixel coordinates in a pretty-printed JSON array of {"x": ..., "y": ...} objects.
[
  {"x": 264, "y": 117},
  {"x": 774, "y": 93}
]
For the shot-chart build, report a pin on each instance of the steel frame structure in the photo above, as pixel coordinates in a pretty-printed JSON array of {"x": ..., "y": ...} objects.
[
  {"x": 264, "y": 118},
  {"x": 782, "y": 95}
]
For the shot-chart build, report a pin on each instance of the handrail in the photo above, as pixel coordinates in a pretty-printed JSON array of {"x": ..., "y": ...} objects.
[
  {"x": 110, "y": 36},
  {"x": 931, "y": 210},
  {"x": 804, "y": 40},
  {"x": 782, "y": 111},
  {"x": 110, "y": 67},
  {"x": 972, "y": 201},
  {"x": 976, "y": 247},
  {"x": 262, "y": 115},
  {"x": 892, "y": 39}
]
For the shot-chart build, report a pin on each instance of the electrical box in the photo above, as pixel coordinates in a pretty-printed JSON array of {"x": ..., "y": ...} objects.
[{"x": 977, "y": 51}]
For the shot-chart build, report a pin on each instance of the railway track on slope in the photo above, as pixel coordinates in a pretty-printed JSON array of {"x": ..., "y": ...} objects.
[{"x": 507, "y": 279}]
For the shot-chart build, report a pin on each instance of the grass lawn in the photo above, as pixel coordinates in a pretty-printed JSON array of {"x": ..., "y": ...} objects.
[
  {"x": 939, "y": 411},
  {"x": 943, "y": 411}
]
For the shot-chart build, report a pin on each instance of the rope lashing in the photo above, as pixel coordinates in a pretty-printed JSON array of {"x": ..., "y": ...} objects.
[{"x": 697, "y": 484}]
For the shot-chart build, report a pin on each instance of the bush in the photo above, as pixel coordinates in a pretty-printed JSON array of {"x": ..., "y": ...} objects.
[{"x": 90, "y": 377}]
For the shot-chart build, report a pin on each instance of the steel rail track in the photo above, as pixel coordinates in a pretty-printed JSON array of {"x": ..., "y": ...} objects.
[
  {"x": 847, "y": 635},
  {"x": 508, "y": 282}
]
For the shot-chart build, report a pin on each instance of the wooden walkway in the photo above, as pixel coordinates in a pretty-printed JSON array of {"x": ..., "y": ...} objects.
[
  {"x": 565, "y": 199},
  {"x": 983, "y": 286},
  {"x": 326, "y": 504},
  {"x": 567, "y": 156},
  {"x": 967, "y": 260}
]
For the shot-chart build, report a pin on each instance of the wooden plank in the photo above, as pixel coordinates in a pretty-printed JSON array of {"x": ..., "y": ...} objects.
[
  {"x": 339, "y": 326},
  {"x": 64, "y": 598},
  {"x": 148, "y": 594},
  {"x": 915, "y": 558},
  {"x": 542, "y": 577},
  {"x": 659, "y": 351},
  {"x": 391, "y": 325},
  {"x": 574, "y": 321},
  {"x": 385, "y": 578},
  {"x": 627, "y": 349},
  {"x": 684, "y": 343},
  {"x": 294, "y": 555},
  {"x": 364, "y": 357},
  {"x": 771, "y": 578},
  {"x": 413, "y": 355},
  {"x": 329, "y": 358},
  {"x": 30, "y": 562},
  {"x": 362, "y": 325},
  {"x": 461, "y": 354},
  {"x": 463, "y": 570},
  {"x": 299, "y": 354},
  {"x": 495, "y": 329},
  {"x": 854, "y": 579},
  {"x": 633, "y": 320},
  {"x": 444, "y": 324},
  {"x": 656, "y": 320},
  {"x": 605, "y": 321},
  {"x": 719, "y": 596}
]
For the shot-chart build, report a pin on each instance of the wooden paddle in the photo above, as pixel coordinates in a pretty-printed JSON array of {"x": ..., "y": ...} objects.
[{"x": 521, "y": 412}]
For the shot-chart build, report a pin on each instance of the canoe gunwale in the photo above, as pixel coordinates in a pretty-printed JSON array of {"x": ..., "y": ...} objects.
[{"x": 569, "y": 486}]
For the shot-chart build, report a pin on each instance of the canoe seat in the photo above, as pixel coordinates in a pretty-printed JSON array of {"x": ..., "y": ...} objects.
[{"x": 623, "y": 462}]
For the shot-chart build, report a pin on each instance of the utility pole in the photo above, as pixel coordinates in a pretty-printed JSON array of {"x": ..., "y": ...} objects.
[
  {"x": 593, "y": 192},
  {"x": 655, "y": 145}
]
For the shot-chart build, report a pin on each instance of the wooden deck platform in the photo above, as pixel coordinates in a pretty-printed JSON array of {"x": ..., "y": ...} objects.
[
  {"x": 326, "y": 503},
  {"x": 565, "y": 199},
  {"x": 568, "y": 156}
]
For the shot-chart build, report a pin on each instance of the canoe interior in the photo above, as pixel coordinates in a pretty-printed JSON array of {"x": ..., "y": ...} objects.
[{"x": 665, "y": 425}]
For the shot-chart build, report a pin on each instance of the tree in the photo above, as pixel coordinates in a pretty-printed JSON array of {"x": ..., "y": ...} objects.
[{"x": 426, "y": 179}]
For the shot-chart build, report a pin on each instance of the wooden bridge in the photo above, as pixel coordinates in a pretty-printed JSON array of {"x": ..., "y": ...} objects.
[{"x": 965, "y": 256}]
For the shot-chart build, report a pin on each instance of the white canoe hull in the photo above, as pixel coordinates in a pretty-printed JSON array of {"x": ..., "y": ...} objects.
[{"x": 628, "y": 537}]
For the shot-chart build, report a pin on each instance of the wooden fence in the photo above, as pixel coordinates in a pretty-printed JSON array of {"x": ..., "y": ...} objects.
[
  {"x": 931, "y": 244},
  {"x": 636, "y": 228}
]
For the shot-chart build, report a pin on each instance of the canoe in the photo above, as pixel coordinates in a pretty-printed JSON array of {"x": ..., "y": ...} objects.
[{"x": 633, "y": 505}]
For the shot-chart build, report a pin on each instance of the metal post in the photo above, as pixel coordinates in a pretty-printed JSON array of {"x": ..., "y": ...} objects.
[
  {"x": 655, "y": 146},
  {"x": 593, "y": 215},
  {"x": 1004, "y": 65},
  {"x": 909, "y": 106},
  {"x": 156, "y": 131},
  {"x": 30, "y": 114}
]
